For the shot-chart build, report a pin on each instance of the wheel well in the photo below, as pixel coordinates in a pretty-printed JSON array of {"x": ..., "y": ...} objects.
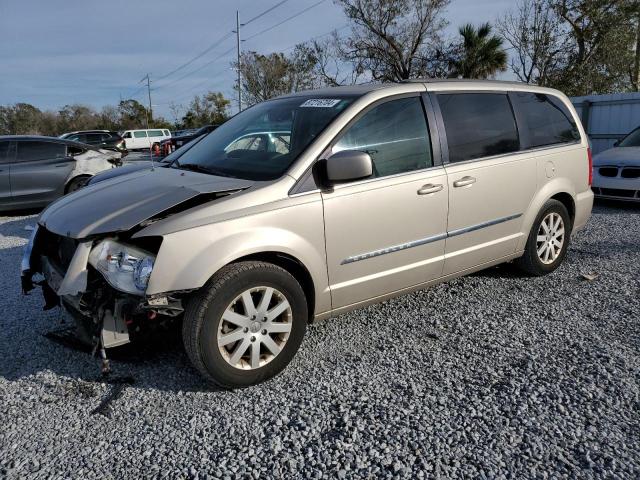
[
  {"x": 567, "y": 201},
  {"x": 66, "y": 187},
  {"x": 295, "y": 267}
]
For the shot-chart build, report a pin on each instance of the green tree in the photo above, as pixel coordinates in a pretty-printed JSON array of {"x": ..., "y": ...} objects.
[
  {"x": 209, "y": 109},
  {"x": 480, "y": 54},
  {"x": 601, "y": 38},
  {"x": 77, "y": 117},
  {"x": 132, "y": 114}
]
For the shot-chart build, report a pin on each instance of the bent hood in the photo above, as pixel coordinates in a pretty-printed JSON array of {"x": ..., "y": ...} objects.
[
  {"x": 121, "y": 203},
  {"x": 619, "y": 156}
]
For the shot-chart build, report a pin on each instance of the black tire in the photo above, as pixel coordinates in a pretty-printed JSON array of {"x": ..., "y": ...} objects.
[
  {"x": 77, "y": 183},
  {"x": 204, "y": 311},
  {"x": 530, "y": 262}
]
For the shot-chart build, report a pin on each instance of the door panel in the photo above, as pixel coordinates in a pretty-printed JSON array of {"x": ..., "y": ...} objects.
[
  {"x": 39, "y": 180},
  {"x": 485, "y": 215},
  {"x": 383, "y": 236}
]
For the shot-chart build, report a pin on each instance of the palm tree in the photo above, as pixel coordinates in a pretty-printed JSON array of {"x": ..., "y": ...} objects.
[{"x": 480, "y": 54}]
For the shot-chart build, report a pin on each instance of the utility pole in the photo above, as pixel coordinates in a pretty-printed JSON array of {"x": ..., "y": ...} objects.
[
  {"x": 238, "y": 64},
  {"x": 150, "y": 111}
]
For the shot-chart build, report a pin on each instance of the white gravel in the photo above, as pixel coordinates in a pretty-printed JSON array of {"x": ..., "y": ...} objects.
[{"x": 489, "y": 376}]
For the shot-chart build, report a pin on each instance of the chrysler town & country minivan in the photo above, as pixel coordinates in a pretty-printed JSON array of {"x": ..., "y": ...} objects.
[{"x": 361, "y": 194}]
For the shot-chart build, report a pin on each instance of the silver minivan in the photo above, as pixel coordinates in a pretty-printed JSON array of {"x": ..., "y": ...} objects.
[{"x": 345, "y": 197}]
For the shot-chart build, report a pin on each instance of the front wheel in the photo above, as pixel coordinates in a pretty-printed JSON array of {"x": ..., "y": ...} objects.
[
  {"x": 548, "y": 240},
  {"x": 245, "y": 325}
]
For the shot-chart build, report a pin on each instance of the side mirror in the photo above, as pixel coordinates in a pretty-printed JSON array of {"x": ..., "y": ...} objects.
[{"x": 348, "y": 165}]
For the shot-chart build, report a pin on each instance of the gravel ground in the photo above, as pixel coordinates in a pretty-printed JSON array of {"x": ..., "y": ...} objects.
[{"x": 490, "y": 376}]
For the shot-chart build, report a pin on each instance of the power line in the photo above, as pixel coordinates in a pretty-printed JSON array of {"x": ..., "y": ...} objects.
[
  {"x": 285, "y": 20},
  {"x": 317, "y": 36},
  {"x": 218, "y": 42},
  {"x": 265, "y": 12},
  {"x": 200, "y": 55},
  {"x": 197, "y": 69}
]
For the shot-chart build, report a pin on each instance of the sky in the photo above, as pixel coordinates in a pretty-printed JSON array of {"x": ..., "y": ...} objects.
[{"x": 58, "y": 52}]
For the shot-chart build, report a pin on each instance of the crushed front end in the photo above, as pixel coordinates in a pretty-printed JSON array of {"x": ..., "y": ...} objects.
[{"x": 101, "y": 283}]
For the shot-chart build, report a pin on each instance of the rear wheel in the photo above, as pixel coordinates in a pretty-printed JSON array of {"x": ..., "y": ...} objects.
[
  {"x": 77, "y": 183},
  {"x": 548, "y": 240},
  {"x": 245, "y": 325}
]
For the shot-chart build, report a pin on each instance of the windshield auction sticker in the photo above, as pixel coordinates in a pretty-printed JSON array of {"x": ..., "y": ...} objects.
[{"x": 321, "y": 102}]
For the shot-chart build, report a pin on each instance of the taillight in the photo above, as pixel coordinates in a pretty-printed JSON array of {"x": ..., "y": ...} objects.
[{"x": 590, "y": 166}]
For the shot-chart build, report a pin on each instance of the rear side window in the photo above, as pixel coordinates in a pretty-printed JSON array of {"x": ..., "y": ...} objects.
[
  {"x": 166, "y": 133},
  {"x": 548, "y": 120},
  {"x": 140, "y": 134},
  {"x": 478, "y": 125},
  {"x": 394, "y": 134},
  {"x": 30, "y": 151},
  {"x": 155, "y": 133}
]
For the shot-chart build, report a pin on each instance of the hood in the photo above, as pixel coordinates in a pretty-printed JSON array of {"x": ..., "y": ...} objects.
[
  {"x": 123, "y": 202},
  {"x": 123, "y": 170},
  {"x": 619, "y": 156}
]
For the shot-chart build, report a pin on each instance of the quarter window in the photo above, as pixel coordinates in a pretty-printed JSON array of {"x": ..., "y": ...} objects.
[
  {"x": 140, "y": 134},
  {"x": 478, "y": 125},
  {"x": 394, "y": 134},
  {"x": 30, "y": 151},
  {"x": 548, "y": 120}
]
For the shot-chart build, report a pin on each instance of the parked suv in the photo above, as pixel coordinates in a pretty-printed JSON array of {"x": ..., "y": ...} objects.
[
  {"x": 99, "y": 138},
  {"x": 378, "y": 190}
]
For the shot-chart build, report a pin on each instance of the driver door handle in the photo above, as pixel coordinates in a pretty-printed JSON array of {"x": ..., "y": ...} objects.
[
  {"x": 464, "y": 181},
  {"x": 429, "y": 188}
]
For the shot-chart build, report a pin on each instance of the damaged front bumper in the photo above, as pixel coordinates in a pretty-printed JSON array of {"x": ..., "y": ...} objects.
[{"x": 103, "y": 314}]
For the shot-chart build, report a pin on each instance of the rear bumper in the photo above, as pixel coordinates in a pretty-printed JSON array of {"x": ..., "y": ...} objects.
[{"x": 584, "y": 204}]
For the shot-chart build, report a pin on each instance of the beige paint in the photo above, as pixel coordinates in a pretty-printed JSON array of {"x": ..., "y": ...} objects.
[{"x": 321, "y": 230}]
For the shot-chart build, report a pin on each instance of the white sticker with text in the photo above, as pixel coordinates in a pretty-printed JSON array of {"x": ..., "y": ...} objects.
[{"x": 321, "y": 102}]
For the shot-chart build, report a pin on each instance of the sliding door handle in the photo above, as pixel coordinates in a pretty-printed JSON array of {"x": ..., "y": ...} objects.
[
  {"x": 464, "y": 181},
  {"x": 429, "y": 188}
]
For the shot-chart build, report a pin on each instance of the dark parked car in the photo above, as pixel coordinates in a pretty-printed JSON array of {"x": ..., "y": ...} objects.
[
  {"x": 34, "y": 170},
  {"x": 99, "y": 138},
  {"x": 173, "y": 143}
]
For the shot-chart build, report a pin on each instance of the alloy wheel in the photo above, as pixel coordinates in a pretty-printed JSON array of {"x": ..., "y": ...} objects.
[
  {"x": 254, "y": 328},
  {"x": 550, "y": 238}
]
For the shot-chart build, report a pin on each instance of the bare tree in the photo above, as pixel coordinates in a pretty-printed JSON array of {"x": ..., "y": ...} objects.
[
  {"x": 534, "y": 32},
  {"x": 392, "y": 40},
  {"x": 267, "y": 76}
]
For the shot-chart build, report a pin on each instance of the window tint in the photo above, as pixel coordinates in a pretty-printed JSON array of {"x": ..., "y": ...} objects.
[
  {"x": 29, "y": 151},
  {"x": 478, "y": 125},
  {"x": 155, "y": 133},
  {"x": 94, "y": 138},
  {"x": 166, "y": 133},
  {"x": 548, "y": 119},
  {"x": 394, "y": 134},
  {"x": 140, "y": 134},
  {"x": 5, "y": 155},
  {"x": 78, "y": 138},
  {"x": 127, "y": 135}
]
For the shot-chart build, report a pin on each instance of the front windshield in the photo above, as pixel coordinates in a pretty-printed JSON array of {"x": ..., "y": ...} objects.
[
  {"x": 262, "y": 142},
  {"x": 631, "y": 140}
]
